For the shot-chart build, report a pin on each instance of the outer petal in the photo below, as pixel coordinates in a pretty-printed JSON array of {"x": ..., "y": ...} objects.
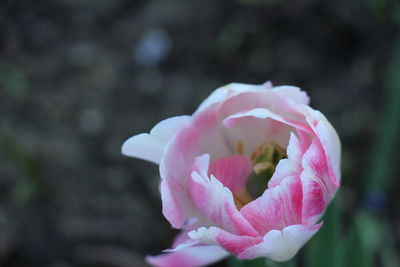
[
  {"x": 170, "y": 205},
  {"x": 282, "y": 100},
  {"x": 224, "y": 92},
  {"x": 203, "y": 134},
  {"x": 151, "y": 146},
  {"x": 277, "y": 208},
  {"x": 318, "y": 188},
  {"x": 216, "y": 201},
  {"x": 194, "y": 256},
  {"x": 329, "y": 141},
  {"x": 281, "y": 245}
]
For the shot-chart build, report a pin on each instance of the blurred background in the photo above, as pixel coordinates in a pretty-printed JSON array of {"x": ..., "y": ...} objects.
[{"x": 78, "y": 77}]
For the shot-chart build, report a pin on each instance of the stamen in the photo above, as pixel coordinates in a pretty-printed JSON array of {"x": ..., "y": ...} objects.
[
  {"x": 264, "y": 159},
  {"x": 242, "y": 199},
  {"x": 259, "y": 150},
  {"x": 261, "y": 167},
  {"x": 239, "y": 147}
]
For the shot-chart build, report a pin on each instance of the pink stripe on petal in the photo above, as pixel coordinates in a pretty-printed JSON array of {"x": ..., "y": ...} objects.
[
  {"x": 232, "y": 172},
  {"x": 216, "y": 201},
  {"x": 277, "y": 208},
  {"x": 176, "y": 164},
  {"x": 234, "y": 244},
  {"x": 318, "y": 188},
  {"x": 329, "y": 141},
  {"x": 314, "y": 202},
  {"x": 331, "y": 144}
]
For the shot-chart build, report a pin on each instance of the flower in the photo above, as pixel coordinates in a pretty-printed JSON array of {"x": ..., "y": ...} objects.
[{"x": 250, "y": 173}]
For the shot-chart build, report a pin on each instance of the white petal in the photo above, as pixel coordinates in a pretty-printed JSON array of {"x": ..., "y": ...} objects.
[
  {"x": 151, "y": 146},
  {"x": 194, "y": 256},
  {"x": 281, "y": 245}
]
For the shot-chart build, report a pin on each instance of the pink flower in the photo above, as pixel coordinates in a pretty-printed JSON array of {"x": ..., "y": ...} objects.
[{"x": 250, "y": 173}]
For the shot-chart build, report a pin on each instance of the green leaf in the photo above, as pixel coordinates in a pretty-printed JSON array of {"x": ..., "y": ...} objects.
[
  {"x": 382, "y": 157},
  {"x": 357, "y": 252},
  {"x": 234, "y": 262},
  {"x": 261, "y": 262},
  {"x": 326, "y": 248}
]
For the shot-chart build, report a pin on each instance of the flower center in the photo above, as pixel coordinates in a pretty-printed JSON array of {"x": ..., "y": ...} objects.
[{"x": 264, "y": 160}]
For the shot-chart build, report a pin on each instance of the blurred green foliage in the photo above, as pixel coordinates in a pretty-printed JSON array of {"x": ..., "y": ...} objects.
[
  {"x": 30, "y": 183},
  {"x": 14, "y": 81},
  {"x": 325, "y": 249}
]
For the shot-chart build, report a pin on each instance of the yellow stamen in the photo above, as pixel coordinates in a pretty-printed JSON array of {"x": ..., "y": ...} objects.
[
  {"x": 258, "y": 168},
  {"x": 239, "y": 147},
  {"x": 242, "y": 199},
  {"x": 259, "y": 150}
]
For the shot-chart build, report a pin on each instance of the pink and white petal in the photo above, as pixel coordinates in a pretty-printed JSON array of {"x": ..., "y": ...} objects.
[
  {"x": 182, "y": 240},
  {"x": 314, "y": 201},
  {"x": 232, "y": 171},
  {"x": 330, "y": 142},
  {"x": 232, "y": 243},
  {"x": 277, "y": 208},
  {"x": 284, "y": 101},
  {"x": 202, "y": 134},
  {"x": 194, "y": 256},
  {"x": 292, "y": 164},
  {"x": 212, "y": 132},
  {"x": 177, "y": 205},
  {"x": 258, "y": 126},
  {"x": 318, "y": 187},
  {"x": 293, "y": 93},
  {"x": 281, "y": 245},
  {"x": 151, "y": 146},
  {"x": 215, "y": 201},
  {"x": 246, "y": 132},
  {"x": 173, "y": 209},
  {"x": 222, "y": 93},
  {"x": 263, "y": 113}
]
